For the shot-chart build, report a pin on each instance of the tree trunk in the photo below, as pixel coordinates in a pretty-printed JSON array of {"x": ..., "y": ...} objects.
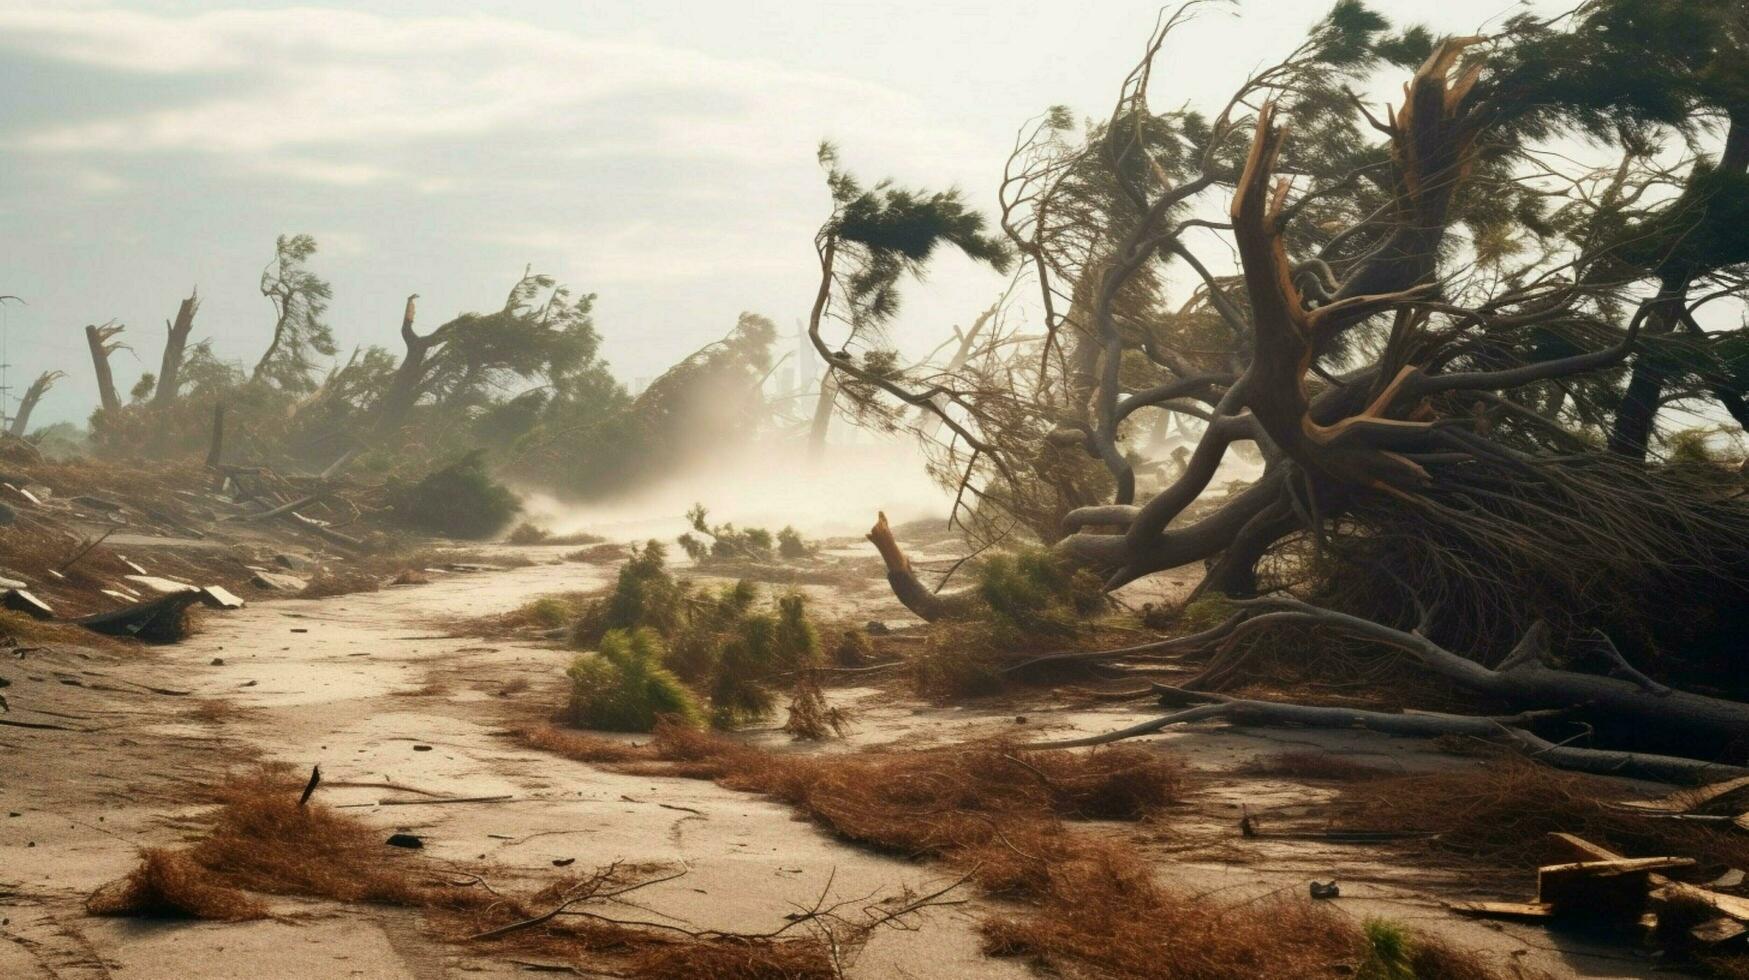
[
  {"x": 99, "y": 340},
  {"x": 403, "y": 391},
  {"x": 822, "y": 414},
  {"x": 170, "y": 369},
  {"x": 27, "y": 404},
  {"x": 217, "y": 450}
]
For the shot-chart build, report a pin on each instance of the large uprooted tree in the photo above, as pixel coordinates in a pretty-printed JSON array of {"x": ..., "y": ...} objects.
[{"x": 1449, "y": 340}]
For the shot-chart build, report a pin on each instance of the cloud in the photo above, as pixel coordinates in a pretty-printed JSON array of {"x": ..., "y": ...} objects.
[{"x": 330, "y": 95}]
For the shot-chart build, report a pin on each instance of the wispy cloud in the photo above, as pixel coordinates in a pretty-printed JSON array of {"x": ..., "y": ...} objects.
[{"x": 357, "y": 87}]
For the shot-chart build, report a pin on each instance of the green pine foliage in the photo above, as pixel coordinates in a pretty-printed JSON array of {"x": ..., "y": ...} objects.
[
  {"x": 624, "y": 687},
  {"x": 460, "y": 500}
]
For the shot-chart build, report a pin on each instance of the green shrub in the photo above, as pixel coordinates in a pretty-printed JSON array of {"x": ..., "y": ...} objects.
[
  {"x": 715, "y": 640},
  {"x": 644, "y": 596},
  {"x": 1390, "y": 952},
  {"x": 550, "y": 612},
  {"x": 460, "y": 500},
  {"x": 754, "y": 652},
  {"x": 790, "y": 544},
  {"x": 624, "y": 687},
  {"x": 1036, "y": 591}
]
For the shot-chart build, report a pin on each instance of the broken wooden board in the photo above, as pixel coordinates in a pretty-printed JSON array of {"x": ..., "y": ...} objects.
[
  {"x": 1682, "y": 801},
  {"x": 1605, "y": 889},
  {"x": 1663, "y": 888},
  {"x": 18, "y": 600},
  {"x": 1720, "y": 930},
  {"x": 219, "y": 597},
  {"x": 162, "y": 586},
  {"x": 1519, "y": 911}
]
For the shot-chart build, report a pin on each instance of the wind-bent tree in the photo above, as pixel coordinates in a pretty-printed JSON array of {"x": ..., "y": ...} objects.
[
  {"x": 873, "y": 238},
  {"x": 300, "y": 300},
  {"x": 27, "y": 404},
  {"x": 1424, "y": 336},
  {"x": 542, "y": 333},
  {"x": 175, "y": 345}
]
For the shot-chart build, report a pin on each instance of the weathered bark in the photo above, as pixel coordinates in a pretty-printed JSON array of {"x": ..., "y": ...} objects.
[
  {"x": 175, "y": 343},
  {"x": 27, "y": 404},
  {"x": 100, "y": 339}
]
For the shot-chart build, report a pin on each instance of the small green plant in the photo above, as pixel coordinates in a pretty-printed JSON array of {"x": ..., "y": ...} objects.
[
  {"x": 726, "y": 542},
  {"x": 550, "y": 612},
  {"x": 460, "y": 500},
  {"x": 760, "y": 647},
  {"x": 1390, "y": 952},
  {"x": 1035, "y": 591},
  {"x": 624, "y": 687},
  {"x": 645, "y": 595}
]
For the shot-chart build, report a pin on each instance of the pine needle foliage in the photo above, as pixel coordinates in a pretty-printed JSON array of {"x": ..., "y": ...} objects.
[{"x": 624, "y": 687}]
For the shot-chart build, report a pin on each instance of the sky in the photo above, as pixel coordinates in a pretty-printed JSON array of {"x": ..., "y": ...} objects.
[{"x": 658, "y": 153}]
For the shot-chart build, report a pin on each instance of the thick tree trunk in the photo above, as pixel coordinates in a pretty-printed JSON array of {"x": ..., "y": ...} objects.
[
  {"x": 403, "y": 391},
  {"x": 27, "y": 404},
  {"x": 822, "y": 414},
  {"x": 216, "y": 451},
  {"x": 98, "y": 338},
  {"x": 170, "y": 369}
]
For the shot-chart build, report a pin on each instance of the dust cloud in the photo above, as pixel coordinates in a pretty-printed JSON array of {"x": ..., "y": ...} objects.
[{"x": 770, "y": 488}]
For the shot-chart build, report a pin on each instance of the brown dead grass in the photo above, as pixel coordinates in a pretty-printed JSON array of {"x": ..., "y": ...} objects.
[
  {"x": 261, "y": 841},
  {"x": 1498, "y": 814},
  {"x": 1091, "y": 905},
  {"x": 172, "y": 884}
]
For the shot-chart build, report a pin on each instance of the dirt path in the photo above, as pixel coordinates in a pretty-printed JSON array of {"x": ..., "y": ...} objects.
[{"x": 368, "y": 687}]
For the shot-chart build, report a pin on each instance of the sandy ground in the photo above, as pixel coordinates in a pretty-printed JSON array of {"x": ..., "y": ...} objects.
[{"x": 366, "y": 686}]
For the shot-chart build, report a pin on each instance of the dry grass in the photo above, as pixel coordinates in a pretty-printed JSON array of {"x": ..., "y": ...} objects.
[
  {"x": 261, "y": 840},
  {"x": 810, "y": 717},
  {"x": 172, "y": 884},
  {"x": 1498, "y": 815},
  {"x": 333, "y": 580},
  {"x": 1090, "y": 903}
]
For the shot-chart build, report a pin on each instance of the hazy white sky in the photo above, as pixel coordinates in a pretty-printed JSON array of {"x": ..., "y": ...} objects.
[{"x": 660, "y": 154}]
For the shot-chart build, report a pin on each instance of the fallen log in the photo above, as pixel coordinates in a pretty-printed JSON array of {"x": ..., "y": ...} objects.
[{"x": 1242, "y": 712}]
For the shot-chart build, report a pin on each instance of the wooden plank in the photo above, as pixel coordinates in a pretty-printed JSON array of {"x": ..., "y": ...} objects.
[
  {"x": 1663, "y": 889},
  {"x": 1685, "y": 800},
  {"x": 1521, "y": 911}
]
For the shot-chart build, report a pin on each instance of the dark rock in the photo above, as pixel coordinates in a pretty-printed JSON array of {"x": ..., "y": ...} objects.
[{"x": 406, "y": 840}]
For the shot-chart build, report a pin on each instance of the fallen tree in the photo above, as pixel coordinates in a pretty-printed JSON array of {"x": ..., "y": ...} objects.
[{"x": 1425, "y": 336}]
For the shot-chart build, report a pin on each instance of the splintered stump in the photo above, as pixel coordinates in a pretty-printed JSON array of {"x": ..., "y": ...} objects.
[{"x": 907, "y": 587}]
